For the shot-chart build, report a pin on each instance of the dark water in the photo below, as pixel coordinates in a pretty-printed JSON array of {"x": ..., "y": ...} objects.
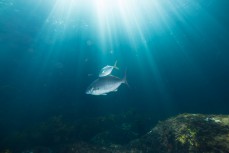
[{"x": 176, "y": 55}]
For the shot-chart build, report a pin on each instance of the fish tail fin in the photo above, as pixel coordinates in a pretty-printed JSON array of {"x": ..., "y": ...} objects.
[
  {"x": 115, "y": 65},
  {"x": 124, "y": 80}
]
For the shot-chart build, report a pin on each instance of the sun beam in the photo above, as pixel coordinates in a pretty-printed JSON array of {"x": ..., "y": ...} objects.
[{"x": 110, "y": 20}]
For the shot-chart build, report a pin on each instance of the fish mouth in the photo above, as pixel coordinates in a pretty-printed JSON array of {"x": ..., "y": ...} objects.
[{"x": 87, "y": 92}]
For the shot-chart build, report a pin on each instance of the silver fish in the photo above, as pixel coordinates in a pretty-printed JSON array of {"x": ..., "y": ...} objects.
[
  {"x": 107, "y": 70},
  {"x": 104, "y": 85}
]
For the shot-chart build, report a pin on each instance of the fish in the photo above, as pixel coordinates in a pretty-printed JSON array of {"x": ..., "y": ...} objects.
[
  {"x": 105, "y": 85},
  {"x": 107, "y": 70}
]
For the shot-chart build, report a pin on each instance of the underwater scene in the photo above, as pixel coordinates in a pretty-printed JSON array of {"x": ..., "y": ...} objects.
[{"x": 114, "y": 76}]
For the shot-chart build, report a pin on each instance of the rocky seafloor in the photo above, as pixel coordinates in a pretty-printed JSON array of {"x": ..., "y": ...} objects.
[{"x": 185, "y": 133}]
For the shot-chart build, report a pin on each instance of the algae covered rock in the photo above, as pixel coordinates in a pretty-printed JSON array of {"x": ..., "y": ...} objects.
[
  {"x": 185, "y": 133},
  {"x": 194, "y": 133}
]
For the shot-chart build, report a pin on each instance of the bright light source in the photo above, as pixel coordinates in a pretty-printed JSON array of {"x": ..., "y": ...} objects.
[
  {"x": 128, "y": 13},
  {"x": 134, "y": 19}
]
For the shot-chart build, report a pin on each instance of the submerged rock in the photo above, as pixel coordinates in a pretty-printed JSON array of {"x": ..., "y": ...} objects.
[
  {"x": 115, "y": 136},
  {"x": 191, "y": 133},
  {"x": 185, "y": 133}
]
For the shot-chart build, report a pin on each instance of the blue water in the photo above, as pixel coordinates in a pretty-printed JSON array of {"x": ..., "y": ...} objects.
[{"x": 176, "y": 55}]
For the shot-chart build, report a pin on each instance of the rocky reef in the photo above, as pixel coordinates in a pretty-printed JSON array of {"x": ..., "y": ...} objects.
[
  {"x": 185, "y": 133},
  {"x": 191, "y": 133}
]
